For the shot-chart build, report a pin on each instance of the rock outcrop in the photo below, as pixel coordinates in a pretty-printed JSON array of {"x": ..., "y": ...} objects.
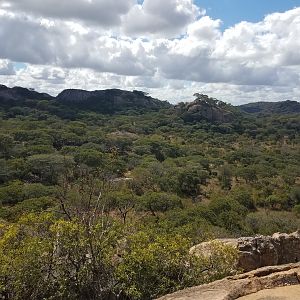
[
  {"x": 259, "y": 251},
  {"x": 237, "y": 286},
  {"x": 111, "y": 101},
  {"x": 103, "y": 101},
  {"x": 19, "y": 94},
  {"x": 205, "y": 108}
]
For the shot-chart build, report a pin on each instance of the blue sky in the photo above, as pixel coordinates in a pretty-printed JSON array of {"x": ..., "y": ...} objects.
[{"x": 234, "y": 11}]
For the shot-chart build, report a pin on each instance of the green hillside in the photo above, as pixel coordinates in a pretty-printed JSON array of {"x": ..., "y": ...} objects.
[{"x": 105, "y": 197}]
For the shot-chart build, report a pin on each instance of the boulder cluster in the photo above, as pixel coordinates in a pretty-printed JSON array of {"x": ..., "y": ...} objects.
[{"x": 259, "y": 251}]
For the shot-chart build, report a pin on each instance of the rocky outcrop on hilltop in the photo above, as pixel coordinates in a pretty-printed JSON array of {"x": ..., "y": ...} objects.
[
  {"x": 110, "y": 101},
  {"x": 18, "y": 94},
  {"x": 103, "y": 101},
  {"x": 206, "y": 108},
  {"x": 237, "y": 286},
  {"x": 259, "y": 251}
]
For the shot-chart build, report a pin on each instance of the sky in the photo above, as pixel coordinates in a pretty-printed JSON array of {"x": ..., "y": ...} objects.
[{"x": 238, "y": 51}]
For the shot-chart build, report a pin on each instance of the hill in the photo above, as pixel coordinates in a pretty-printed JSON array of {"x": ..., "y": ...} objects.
[
  {"x": 204, "y": 108},
  {"x": 268, "y": 108},
  {"x": 111, "y": 101},
  {"x": 102, "y": 101},
  {"x": 103, "y": 193},
  {"x": 17, "y": 95}
]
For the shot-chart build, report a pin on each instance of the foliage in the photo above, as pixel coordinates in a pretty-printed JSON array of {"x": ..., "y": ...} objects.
[{"x": 95, "y": 205}]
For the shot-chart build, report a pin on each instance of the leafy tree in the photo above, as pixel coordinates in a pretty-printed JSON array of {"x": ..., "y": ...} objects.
[
  {"x": 6, "y": 145},
  {"x": 225, "y": 176},
  {"x": 45, "y": 258},
  {"x": 48, "y": 167},
  {"x": 190, "y": 179},
  {"x": 91, "y": 158},
  {"x": 155, "y": 202},
  {"x": 155, "y": 264},
  {"x": 122, "y": 201}
]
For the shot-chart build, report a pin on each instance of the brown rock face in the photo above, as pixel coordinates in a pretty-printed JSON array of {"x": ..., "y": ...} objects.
[
  {"x": 237, "y": 286},
  {"x": 260, "y": 251}
]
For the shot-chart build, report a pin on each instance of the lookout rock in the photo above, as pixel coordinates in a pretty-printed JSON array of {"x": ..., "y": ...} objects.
[{"x": 234, "y": 287}]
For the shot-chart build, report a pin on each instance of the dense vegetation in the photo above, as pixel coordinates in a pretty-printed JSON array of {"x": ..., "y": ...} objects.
[{"x": 96, "y": 206}]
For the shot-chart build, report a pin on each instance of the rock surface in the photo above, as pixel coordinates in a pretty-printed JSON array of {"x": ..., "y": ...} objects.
[
  {"x": 206, "y": 108},
  {"x": 291, "y": 292},
  {"x": 238, "y": 286},
  {"x": 259, "y": 251},
  {"x": 110, "y": 101},
  {"x": 20, "y": 94},
  {"x": 103, "y": 101}
]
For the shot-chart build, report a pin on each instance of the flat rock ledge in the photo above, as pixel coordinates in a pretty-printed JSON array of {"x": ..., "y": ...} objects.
[{"x": 237, "y": 286}]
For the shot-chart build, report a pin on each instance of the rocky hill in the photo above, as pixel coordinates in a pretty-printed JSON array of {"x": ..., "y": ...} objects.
[
  {"x": 268, "y": 108},
  {"x": 206, "y": 108},
  {"x": 111, "y": 101},
  {"x": 103, "y": 101},
  {"x": 19, "y": 94}
]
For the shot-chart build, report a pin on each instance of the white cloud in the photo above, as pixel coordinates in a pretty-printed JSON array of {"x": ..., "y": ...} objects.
[
  {"x": 103, "y": 12},
  {"x": 158, "y": 18},
  {"x": 6, "y": 67},
  {"x": 259, "y": 60},
  {"x": 59, "y": 43},
  {"x": 205, "y": 29}
]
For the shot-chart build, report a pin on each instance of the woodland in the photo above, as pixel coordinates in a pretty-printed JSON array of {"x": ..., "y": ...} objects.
[{"x": 100, "y": 204}]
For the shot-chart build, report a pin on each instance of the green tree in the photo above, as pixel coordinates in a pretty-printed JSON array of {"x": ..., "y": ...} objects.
[
  {"x": 121, "y": 201},
  {"x": 155, "y": 202},
  {"x": 6, "y": 145},
  {"x": 48, "y": 168}
]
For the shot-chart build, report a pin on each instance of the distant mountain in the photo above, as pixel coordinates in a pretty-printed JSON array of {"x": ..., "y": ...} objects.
[
  {"x": 120, "y": 101},
  {"x": 269, "y": 108},
  {"x": 103, "y": 101},
  {"x": 16, "y": 95},
  {"x": 111, "y": 101}
]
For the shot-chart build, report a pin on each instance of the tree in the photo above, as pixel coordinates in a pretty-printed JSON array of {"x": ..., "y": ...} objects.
[
  {"x": 247, "y": 173},
  {"x": 122, "y": 201},
  {"x": 48, "y": 168},
  {"x": 189, "y": 180},
  {"x": 45, "y": 258},
  {"x": 90, "y": 157},
  {"x": 155, "y": 264},
  {"x": 225, "y": 177},
  {"x": 6, "y": 144},
  {"x": 155, "y": 202}
]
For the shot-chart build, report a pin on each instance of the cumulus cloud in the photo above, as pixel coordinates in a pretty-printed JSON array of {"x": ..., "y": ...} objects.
[
  {"x": 166, "y": 18},
  {"x": 205, "y": 29},
  {"x": 6, "y": 67},
  {"x": 58, "y": 43},
  {"x": 103, "y": 12},
  {"x": 167, "y": 47}
]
